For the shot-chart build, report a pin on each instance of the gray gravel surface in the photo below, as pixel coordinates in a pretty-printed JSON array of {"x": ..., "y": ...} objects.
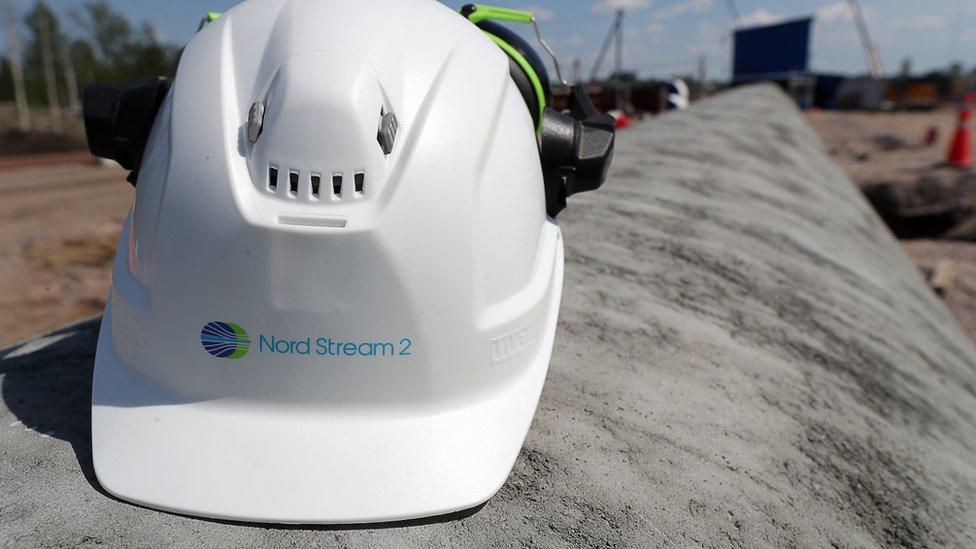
[{"x": 745, "y": 356}]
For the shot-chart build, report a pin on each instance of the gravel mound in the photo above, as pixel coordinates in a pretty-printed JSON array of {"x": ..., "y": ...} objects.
[{"x": 745, "y": 357}]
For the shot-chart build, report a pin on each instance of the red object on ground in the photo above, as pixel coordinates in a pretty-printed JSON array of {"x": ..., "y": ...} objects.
[
  {"x": 961, "y": 150},
  {"x": 931, "y": 136},
  {"x": 621, "y": 122}
]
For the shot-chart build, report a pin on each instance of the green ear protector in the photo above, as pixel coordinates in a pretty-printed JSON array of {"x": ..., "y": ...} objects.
[
  {"x": 575, "y": 148},
  {"x": 526, "y": 68}
]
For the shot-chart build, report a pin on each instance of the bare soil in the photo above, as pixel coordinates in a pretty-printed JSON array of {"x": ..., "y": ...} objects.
[
  {"x": 58, "y": 231},
  {"x": 960, "y": 295},
  {"x": 861, "y": 142},
  {"x": 856, "y": 141}
]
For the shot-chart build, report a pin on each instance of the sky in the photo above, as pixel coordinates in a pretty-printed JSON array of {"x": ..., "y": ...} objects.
[{"x": 667, "y": 37}]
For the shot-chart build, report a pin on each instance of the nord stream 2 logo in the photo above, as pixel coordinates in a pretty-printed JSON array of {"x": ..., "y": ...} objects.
[
  {"x": 225, "y": 340},
  {"x": 231, "y": 341}
]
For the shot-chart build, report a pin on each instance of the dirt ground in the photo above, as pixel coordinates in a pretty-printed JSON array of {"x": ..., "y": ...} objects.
[
  {"x": 58, "y": 231},
  {"x": 858, "y": 142}
]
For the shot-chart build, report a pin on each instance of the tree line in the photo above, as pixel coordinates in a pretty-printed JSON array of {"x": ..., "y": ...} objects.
[{"x": 106, "y": 47}]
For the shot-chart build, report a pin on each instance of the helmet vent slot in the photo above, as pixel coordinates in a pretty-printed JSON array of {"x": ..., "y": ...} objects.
[
  {"x": 337, "y": 184},
  {"x": 309, "y": 185},
  {"x": 360, "y": 180},
  {"x": 272, "y": 178},
  {"x": 316, "y": 184},
  {"x": 293, "y": 183}
]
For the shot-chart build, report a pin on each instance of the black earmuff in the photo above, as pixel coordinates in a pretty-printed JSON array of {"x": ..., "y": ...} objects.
[
  {"x": 575, "y": 148},
  {"x": 118, "y": 121}
]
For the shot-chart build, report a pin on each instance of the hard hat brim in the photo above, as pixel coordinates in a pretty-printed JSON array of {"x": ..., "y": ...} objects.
[{"x": 265, "y": 463}]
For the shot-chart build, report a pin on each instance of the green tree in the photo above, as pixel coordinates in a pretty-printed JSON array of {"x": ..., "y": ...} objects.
[
  {"x": 87, "y": 67},
  {"x": 150, "y": 56},
  {"x": 120, "y": 53}
]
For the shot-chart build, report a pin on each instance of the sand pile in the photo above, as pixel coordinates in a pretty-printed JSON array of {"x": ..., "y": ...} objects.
[{"x": 745, "y": 357}]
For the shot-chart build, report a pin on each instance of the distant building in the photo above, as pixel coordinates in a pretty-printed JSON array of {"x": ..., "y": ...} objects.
[{"x": 778, "y": 53}]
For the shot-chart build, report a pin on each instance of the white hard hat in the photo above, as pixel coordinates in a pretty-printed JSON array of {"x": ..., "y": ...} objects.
[
  {"x": 335, "y": 297},
  {"x": 678, "y": 94}
]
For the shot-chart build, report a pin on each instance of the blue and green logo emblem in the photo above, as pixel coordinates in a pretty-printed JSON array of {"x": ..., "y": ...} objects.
[{"x": 225, "y": 340}]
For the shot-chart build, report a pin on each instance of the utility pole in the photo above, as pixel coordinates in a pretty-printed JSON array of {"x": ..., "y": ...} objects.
[
  {"x": 54, "y": 103},
  {"x": 906, "y": 68},
  {"x": 733, "y": 13},
  {"x": 576, "y": 69},
  {"x": 870, "y": 49},
  {"x": 70, "y": 80},
  {"x": 702, "y": 77},
  {"x": 16, "y": 69}
]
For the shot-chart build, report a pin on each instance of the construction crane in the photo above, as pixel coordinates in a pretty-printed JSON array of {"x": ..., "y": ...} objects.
[
  {"x": 870, "y": 49},
  {"x": 615, "y": 35}
]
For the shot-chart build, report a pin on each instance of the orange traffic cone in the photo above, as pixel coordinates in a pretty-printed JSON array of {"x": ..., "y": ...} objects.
[{"x": 961, "y": 151}]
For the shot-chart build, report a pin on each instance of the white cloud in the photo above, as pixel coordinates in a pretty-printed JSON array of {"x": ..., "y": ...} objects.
[
  {"x": 681, "y": 8},
  {"x": 926, "y": 22},
  {"x": 759, "y": 17},
  {"x": 711, "y": 40},
  {"x": 967, "y": 35},
  {"x": 831, "y": 13},
  {"x": 610, "y": 5},
  {"x": 541, "y": 13},
  {"x": 657, "y": 31}
]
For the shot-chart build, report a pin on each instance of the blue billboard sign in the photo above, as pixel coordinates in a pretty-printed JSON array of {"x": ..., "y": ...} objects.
[{"x": 772, "y": 50}]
